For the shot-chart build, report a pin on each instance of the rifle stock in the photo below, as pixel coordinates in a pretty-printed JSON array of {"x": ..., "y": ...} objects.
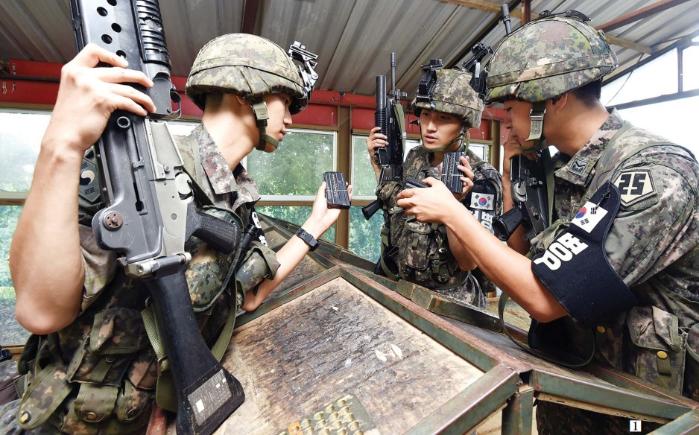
[{"x": 151, "y": 213}]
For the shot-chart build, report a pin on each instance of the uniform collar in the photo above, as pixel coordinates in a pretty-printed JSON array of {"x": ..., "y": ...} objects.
[
  {"x": 578, "y": 169},
  {"x": 216, "y": 169}
]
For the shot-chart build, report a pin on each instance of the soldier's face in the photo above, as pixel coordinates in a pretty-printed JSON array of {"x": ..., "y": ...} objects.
[
  {"x": 279, "y": 115},
  {"x": 438, "y": 128},
  {"x": 518, "y": 122}
]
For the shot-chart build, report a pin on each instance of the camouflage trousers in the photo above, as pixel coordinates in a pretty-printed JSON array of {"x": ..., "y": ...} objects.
[
  {"x": 469, "y": 292},
  {"x": 555, "y": 419}
]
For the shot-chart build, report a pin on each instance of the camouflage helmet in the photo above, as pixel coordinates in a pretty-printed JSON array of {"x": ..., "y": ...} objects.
[
  {"x": 450, "y": 93},
  {"x": 247, "y": 65},
  {"x": 548, "y": 57}
]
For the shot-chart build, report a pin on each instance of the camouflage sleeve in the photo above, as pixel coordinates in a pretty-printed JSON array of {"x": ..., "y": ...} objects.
[
  {"x": 100, "y": 266},
  {"x": 653, "y": 226},
  {"x": 260, "y": 263}
]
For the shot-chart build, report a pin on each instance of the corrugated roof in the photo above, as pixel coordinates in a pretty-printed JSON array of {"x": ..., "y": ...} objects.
[{"x": 352, "y": 37}]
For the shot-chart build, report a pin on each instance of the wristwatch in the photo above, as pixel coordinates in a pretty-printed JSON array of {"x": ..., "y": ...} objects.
[{"x": 307, "y": 239}]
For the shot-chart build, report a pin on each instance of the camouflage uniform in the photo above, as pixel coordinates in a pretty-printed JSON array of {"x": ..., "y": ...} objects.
[
  {"x": 653, "y": 244},
  {"x": 421, "y": 250},
  {"x": 99, "y": 373}
]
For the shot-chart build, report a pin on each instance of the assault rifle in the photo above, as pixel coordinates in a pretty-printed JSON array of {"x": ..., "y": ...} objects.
[
  {"x": 389, "y": 116},
  {"x": 529, "y": 186},
  {"x": 151, "y": 212}
]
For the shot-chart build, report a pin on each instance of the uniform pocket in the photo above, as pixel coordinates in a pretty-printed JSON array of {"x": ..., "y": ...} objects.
[
  {"x": 657, "y": 351},
  {"x": 117, "y": 334},
  {"x": 414, "y": 246}
]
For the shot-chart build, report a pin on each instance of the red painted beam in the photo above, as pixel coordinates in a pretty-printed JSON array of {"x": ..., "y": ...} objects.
[{"x": 36, "y": 83}]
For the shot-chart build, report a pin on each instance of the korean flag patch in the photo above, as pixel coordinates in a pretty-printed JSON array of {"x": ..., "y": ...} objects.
[
  {"x": 634, "y": 186},
  {"x": 482, "y": 201},
  {"x": 588, "y": 216}
]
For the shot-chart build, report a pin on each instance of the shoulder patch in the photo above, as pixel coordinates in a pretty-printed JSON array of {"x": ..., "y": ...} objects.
[{"x": 634, "y": 186}]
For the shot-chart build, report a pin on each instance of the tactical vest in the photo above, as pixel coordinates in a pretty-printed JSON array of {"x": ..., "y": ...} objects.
[
  {"x": 99, "y": 373},
  {"x": 420, "y": 250},
  {"x": 649, "y": 340}
]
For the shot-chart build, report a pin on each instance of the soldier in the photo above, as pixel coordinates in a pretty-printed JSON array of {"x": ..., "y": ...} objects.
[
  {"x": 90, "y": 367},
  {"x": 425, "y": 253},
  {"x": 620, "y": 262}
]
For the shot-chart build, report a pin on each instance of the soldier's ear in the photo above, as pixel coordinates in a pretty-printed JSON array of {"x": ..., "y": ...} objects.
[{"x": 557, "y": 104}]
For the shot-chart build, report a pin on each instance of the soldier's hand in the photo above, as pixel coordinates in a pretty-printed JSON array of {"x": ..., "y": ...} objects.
[
  {"x": 466, "y": 179},
  {"x": 375, "y": 140},
  {"x": 88, "y": 94},
  {"x": 323, "y": 217},
  {"x": 429, "y": 204}
]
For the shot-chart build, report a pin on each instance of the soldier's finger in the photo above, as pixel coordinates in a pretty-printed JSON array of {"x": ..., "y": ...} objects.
[
  {"x": 92, "y": 54},
  {"x": 406, "y": 193},
  {"x": 464, "y": 160},
  {"x": 430, "y": 181},
  {"x": 467, "y": 171},
  {"x": 127, "y": 104},
  {"x": 135, "y": 95},
  {"x": 123, "y": 75},
  {"x": 375, "y": 129}
]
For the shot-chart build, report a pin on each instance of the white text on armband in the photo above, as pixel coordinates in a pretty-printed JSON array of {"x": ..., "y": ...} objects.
[{"x": 564, "y": 249}]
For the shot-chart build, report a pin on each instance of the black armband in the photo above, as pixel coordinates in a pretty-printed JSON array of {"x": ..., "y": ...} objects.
[{"x": 575, "y": 267}]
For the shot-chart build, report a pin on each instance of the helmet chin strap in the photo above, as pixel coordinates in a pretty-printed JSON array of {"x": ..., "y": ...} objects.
[
  {"x": 536, "y": 128},
  {"x": 261, "y": 118}
]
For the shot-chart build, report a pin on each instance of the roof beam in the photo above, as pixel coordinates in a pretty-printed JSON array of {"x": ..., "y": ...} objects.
[
  {"x": 483, "y": 5},
  {"x": 639, "y": 14},
  {"x": 251, "y": 12},
  {"x": 494, "y": 8}
]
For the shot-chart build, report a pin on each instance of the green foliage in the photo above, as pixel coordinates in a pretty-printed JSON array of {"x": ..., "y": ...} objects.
[
  {"x": 296, "y": 167},
  {"x": 8, "y": 221},
  {"x": 7, "y": 293},
  {"x": 296, "y": 214},
  {"x": 20, "y": 137},
  {"x": 363, "y": 177},
  {"x": 365, "y": 235}
]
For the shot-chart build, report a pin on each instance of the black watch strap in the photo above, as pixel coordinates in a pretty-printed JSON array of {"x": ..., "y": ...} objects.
[{"x": 307, "y": 239}]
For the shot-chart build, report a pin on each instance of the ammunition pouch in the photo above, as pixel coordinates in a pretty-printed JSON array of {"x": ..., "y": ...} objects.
[{"x": 657, "y": 348}]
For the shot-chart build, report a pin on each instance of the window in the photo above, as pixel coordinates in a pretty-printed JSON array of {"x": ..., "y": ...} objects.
[
  {"x": 20, "y": 139},
  {"x": 365, "y": 235},
  {"x": 481, "y": 150},
  {"x": 690, "y": 68},
  {"x": 288, "y": 179},
  {"x": 671, "y": 119},
  {"x": 655, "y": 78},
  {"x": 294, "y": 171}
]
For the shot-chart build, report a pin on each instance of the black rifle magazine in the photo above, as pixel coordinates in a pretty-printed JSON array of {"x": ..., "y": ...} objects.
[
  {"x": 451, "y": 176},
  {"x": 336, "y": 190}
]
